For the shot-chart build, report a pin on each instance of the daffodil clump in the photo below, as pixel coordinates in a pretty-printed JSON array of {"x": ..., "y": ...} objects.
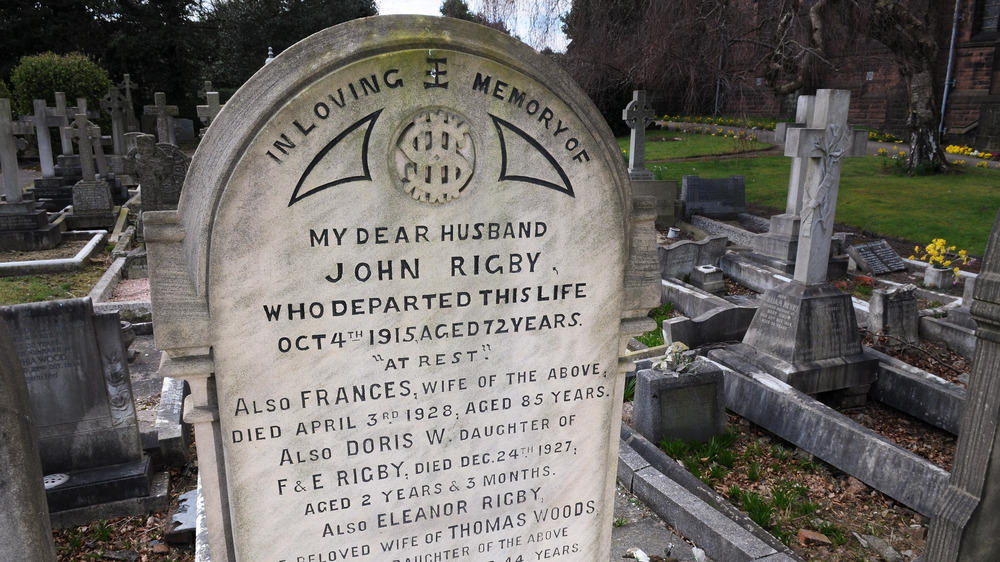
[{"x": 939, "y": 254}]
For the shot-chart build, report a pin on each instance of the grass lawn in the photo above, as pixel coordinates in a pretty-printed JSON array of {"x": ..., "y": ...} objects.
[
  {"x": 37, "y": 288},
  {"x": 958, "y": 207},
  {"x": 662, "y": 146}
]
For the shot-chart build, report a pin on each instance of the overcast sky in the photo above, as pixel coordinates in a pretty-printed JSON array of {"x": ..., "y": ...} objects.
[{"x": 433, "y": 8}]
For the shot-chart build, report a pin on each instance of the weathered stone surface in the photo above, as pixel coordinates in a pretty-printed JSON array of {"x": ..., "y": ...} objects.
[
  {"x": 689, "y": 406},
  {"x": 680, "y": 258},
  {"x": 876, "y": 258},
  {"x": 721, "y": 198},
  {"x": 893, "y": 314},
  {"x": 413, "y": 296},
  {"x": 24, "y": 517}
]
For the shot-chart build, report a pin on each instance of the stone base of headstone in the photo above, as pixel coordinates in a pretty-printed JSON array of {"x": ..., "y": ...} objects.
[
  {"x": 836, "y": 267},
  {"x": 68, "y": 166},
  {"x": 641, "y": 175},
  {"x": 893, "y": 313},
  {"x": 806, "y": 336},
  {"x": 688, "y": 406},
  {"x": 102, "y": 485},
  {"x": 157, "y": 501},
  {"x": 25, "y": 228},
  {"x": 92, "y": 206}
]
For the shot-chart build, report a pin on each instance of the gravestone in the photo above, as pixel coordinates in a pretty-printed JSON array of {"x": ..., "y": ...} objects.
[
  {"x": 164, "y": 115},
  {"x": 212, "y": 108},
  {"x": 22, "y": 226},
  {"x": 876, "y": 258},
  {"x": 638, "y": 115},
  {"x": 721, "y": 198},
  {"x": 131, "y": 123},
  {"x": 114, "y": 104},
  {"x": 690, "y": 406},
  {"x": 805, "y": 333},
  {"x": 964, "y": 525},
  {"x": 81, "y": 396},
  {"x": 25, "y": 533},
  {"x": 450, "y": 214},
  {"x": 893, "y": 313},
  {"x": 160, "y": 170},
  {"x": 92, "y": 202}
]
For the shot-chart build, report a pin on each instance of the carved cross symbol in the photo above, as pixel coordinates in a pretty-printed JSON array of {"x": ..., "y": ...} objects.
[{"x": 637, "y": 114}]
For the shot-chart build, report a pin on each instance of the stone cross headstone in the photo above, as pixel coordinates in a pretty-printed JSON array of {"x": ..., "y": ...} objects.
[
  {"x": 964, "y": 525},
  {"x": 409, "y": 342},
  {"x": 8, "y": 154},
  {"x": 114, "y": 105},
  {"x": 208, "y": 112},
  {"x": 160, "y": 169},
  {"x": 638, "y": 115},
  {"x": 41, "y": 121},
  {"x": 64, "y": 115},
  {"x": 131, "y": 123},
  {"x": 85, "y": 132},
  {"x": 825, "y": 145},
  {"x": 81, "y": 395},
  {"x": 206, "y": 89},
  {"x": 164, "y": 114},
  {"x": 805, "y": 333},
  {"x": 25, "y": 533}
]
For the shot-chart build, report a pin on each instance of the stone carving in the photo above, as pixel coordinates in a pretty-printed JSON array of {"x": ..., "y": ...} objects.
[
  {"x": 435, "y": 156},
  {"x": 160, "y": 168},
  {"x": 818, "y": 205}
]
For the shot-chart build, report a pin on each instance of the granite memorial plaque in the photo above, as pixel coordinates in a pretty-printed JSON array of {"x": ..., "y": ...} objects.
[
  {"x": 715, "y": 197},
  {"x": 876, "y": 258},
  {"x": 406, "y": 251}
]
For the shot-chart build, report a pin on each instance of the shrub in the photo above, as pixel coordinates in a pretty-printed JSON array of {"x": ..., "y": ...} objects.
[
  {"x": 41, "y": 76},
  {"x": 4, "y": 92}
]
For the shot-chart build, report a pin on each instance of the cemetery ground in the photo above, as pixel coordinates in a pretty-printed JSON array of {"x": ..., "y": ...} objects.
[{"x": 782, "y": 488}]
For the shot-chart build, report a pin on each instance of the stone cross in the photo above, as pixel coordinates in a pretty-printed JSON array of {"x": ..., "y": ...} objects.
[
  {"x": 208, "y": 88},
  {"x": 114, "y": 104},
  {"x": 824, "y": 145},
  {"x": 638, "y": 115},
  {"x": 8, "y": 154},
  {"x": 40, "y": 123},
  {"x": 85, "y": 132},
  {"x": 796, "y": 176},
  {"x": 208, "y": 112},
  {"x": 62, "y": 114},
  {"x": 164, "y": 114},
  {"x": 131, "y": 123}
]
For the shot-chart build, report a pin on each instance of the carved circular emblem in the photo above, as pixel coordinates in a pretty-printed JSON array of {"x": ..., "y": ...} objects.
[{"x": 435, "y": 155}]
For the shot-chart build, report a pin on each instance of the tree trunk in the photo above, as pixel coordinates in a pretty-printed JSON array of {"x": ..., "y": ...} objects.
[{"x": 926, "y": 154}]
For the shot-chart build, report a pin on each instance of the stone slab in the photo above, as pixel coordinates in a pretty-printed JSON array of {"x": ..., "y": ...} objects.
[
  {"x": 156, "y": 501},
  {"x": 876, "y": 258},
  {"x": 960, "y": 339},
  {"x": 723, "y": 324},
  {"x": 714, "y": 198},
  {"x": 918, "y": 393},
  {"x": 173, "y": 434},
  {"x": 102, "y": 485},
  {"x": 665, "y": 193},
  {"x": 688, "y": 299},
  {"x": 680, "y": 258},
  {"x": 831, "y": 436}
]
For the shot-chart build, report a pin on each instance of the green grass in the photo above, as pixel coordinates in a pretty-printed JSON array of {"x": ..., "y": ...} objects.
[
  {"x": 690, "y": 145},
  {"x": 959, "y": 207},
  {"x": 37, "y": 288}
]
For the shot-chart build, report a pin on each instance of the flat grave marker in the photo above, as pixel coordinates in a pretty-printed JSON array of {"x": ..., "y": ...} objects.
[
  {"x": 409, "y": 260},
  {"x": 876, "y": 257}
]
